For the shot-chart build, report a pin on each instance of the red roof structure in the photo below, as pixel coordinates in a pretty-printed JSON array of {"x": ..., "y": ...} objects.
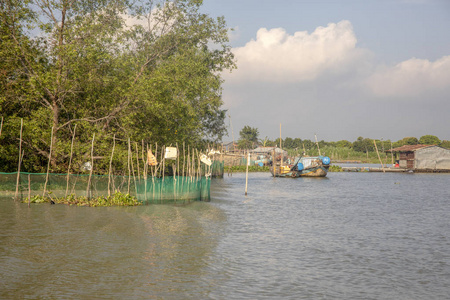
[{"x": 409, "y": 148}]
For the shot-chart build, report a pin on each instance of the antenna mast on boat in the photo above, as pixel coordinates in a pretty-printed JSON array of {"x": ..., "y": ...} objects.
[
  {"x": 231, "y": 125},
  {"x": 281, "y": 148},
  {"x": 317, "y": 143}
]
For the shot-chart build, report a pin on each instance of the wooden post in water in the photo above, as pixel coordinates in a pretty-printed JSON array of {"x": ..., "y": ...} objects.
[
  {"x": 110, "y": 165},
  {"x": 129, "y": 167},
  {"x": 20, "y": 161},
  {"x": 246, "y": 172},
  {"x": 137, "y": 161},
  {"x": 92, "y": 168},
  {"x": 70, "y": 160},
  {"x": 48, "y": 166},
  {"x": 379, "y": 158},
  {"x": 132, "y": 168},
  {"x": 281, "y": 148},
  {"x": 392, "y": 155},
  {"x": 274, "y": 162}
]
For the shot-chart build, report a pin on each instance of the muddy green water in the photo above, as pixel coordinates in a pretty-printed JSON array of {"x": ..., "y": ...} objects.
[{"x": 348, "y": 236}]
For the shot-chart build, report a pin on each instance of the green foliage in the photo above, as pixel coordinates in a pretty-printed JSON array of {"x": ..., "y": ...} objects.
[
  {"x": 406, "y": 141},
  {"x": 158, "y": 83},
  {"x": 363, "y": 145},
  {"x": 344, "y": 144},
  {"x": 250, "y": 169},
  {"x": 117, "y": 199},
  {"x": 334, "y": 168},
  {"x": 429, "y": 140},
  {"x": 248, "y": 137},
  {"x": 445, "y": 144}
]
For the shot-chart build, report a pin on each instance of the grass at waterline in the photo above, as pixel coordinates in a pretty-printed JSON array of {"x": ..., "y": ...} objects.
[
  {"x": 334, "y": 168},
  {"x": 238, "y": 169},
  {"x": 118, "y": 199}
]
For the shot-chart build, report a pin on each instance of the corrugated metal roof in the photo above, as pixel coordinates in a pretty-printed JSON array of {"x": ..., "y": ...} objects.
[
  {"x": 267, "y": 149},
  {"x": 409, "y": 148}
]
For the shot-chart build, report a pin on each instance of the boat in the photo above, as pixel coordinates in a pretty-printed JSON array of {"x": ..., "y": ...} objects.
[{"x": 305, "y": 166}]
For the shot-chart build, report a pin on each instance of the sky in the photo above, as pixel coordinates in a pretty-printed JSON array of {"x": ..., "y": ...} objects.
[{"x": 337, "y": 69}]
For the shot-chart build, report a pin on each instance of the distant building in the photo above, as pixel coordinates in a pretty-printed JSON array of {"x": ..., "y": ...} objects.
[
  {"x": 268, "y": 150},
  {"x": 230, "y": 147},
  {"x": 423, "y": 158}
]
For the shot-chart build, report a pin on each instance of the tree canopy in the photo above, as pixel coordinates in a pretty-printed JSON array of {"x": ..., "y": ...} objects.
[
  {"x": 141, "y": 70},
  {"x": 429, "y": 140},
  {"x": 248, "y": 137}
]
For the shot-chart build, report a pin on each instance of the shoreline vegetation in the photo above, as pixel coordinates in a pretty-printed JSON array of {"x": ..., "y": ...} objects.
[{"x": 117, "y": 199}]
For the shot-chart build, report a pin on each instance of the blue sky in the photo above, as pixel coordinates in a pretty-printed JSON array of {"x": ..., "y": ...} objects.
[{"x": 338, "y": 69}]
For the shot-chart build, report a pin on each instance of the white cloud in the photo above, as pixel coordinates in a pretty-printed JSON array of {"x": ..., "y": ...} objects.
[
  {"x": 276, "y": 56},
  {"x": 412, "y": 77}
]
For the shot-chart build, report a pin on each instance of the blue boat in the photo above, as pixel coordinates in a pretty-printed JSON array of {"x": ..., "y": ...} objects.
[{"x": 305, "y": 166}]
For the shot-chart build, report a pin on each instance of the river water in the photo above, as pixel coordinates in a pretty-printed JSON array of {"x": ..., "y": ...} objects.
[{"x": 347, "y": 236}]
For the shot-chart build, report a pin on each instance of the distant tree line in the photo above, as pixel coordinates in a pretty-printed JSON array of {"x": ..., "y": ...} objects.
[{"x": 249, "y": 139}]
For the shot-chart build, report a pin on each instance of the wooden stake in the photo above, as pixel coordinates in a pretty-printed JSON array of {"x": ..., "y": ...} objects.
[
  {"x": 70, "y": 160},
  {"x": 129, "y": 167},
  {"x": 48, "y": 166},
  {"x": 110, "y": 165},
  {"x": 184, "y": 159},
  {"x": 317, "y": 144},
  {"x": 379, "y": 158},
  {"x": 163, "y": 162},
  {"x": 246, "y": 172},
  {"x": 92, "y": 168},
  {"x": 132, "y": 168},
  {"x": 20, "y": 161},
  {"x": 392, "y": 155},
  {"x": 178, "y": 160},
  {"x": 137, "y": 161}
]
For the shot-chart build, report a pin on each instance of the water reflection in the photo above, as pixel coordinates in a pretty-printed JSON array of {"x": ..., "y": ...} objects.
[
  {"x": 352, "y": 235},
  {"x": 57, "y": 251}
]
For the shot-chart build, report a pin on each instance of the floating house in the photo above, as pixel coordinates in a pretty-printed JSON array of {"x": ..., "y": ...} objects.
[{"x": 423, "y": 158}]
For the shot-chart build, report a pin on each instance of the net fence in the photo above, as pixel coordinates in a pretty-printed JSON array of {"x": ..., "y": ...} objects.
[{"x": 168, "y": 189}]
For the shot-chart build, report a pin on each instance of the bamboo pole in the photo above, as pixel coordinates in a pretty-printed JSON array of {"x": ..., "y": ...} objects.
[
  {"x": 48, "y": 165},
  {"x": 110, "y": 166},
  {"x": 178, "y": 160},
  {"x": 315, "y": 136},
  {"x": 163, "y": 163},
  {"x": 156, "y": 156},
  {"x": 188, "y": 165},
  {"x": 392, "y": 155},
  {"x": 129, "y": 170},
  {"x": 379, "y": 158},
  {"x": 132, "y": 164},
  {"x": 137, "y": 161},
  {"x": 246, "y": 172},
  {"x": 184, "y": 159},
  {"x": 145, "y": 171},
  {"x": 92, "y": 168},
  {"x": 160, "y": 167},
  {"x": 70, "y": 160},
  {"x": 199, "y": 172},
  {"x": 20, "y": 161},
  {"x": 132, "y": 168}
]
